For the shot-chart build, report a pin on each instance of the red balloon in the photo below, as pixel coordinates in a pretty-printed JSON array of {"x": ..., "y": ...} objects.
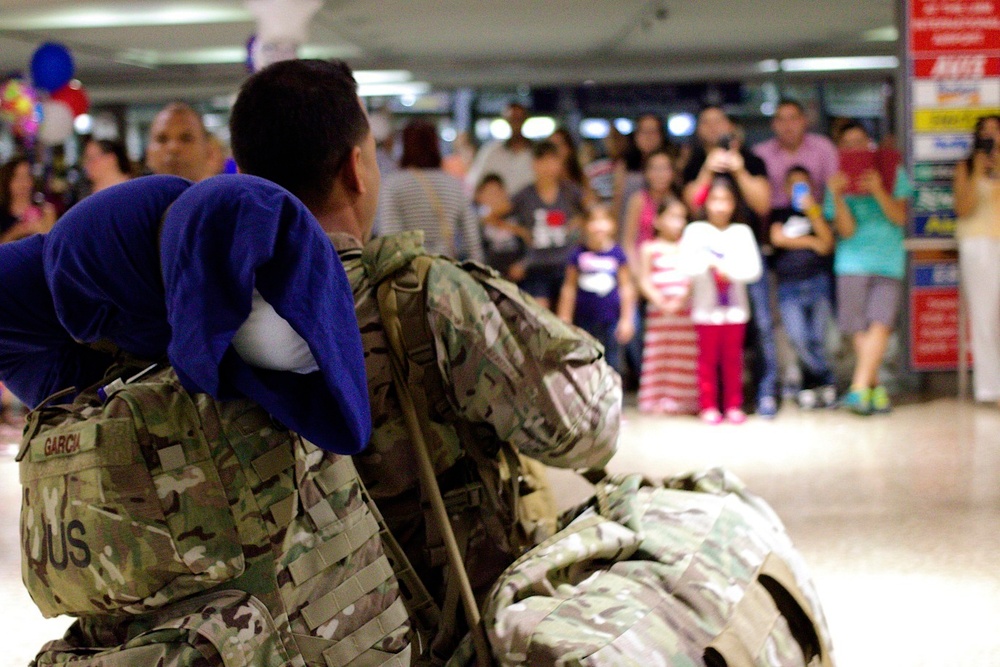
[{"x": 74, "y": 96}]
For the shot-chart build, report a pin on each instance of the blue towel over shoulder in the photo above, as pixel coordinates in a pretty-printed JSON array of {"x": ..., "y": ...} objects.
[
  {"x": 222, "y": 239},
  {"x": 216, "y": 242}
]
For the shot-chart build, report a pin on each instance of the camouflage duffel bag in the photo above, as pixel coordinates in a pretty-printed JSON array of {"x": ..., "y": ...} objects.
[{"x": 696, "y": 571}]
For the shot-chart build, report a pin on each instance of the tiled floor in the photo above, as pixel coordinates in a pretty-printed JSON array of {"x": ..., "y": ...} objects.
[{"x": 899, "y": 517}]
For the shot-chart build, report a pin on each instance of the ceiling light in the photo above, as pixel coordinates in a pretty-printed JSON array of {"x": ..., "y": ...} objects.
[
  {"x": 373, "y": 76},
  {"x": 83, "y": 123},
  {"x": 888, "y": 33},
  {"x": 594, "y": 128},
  {"x": 538, "y": 127},
  {"x": 500, "y": 129},
  {"x": 227, "y": 55},
  {"x": 681, "y": 124},
  {"x": 839, "y": 64},
  {"x": 220, "y": 55},
  {"x": 414, "y": 88},
  {"x": 122, "y": 15}
]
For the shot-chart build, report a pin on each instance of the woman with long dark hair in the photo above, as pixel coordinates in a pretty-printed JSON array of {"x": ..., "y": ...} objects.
[
  {"x": 420, "y": 196},
  {"x": 648, "y": 136},
  {"x": 23, "y": 210},
  {"x": 977, "y": 203},
  {"x": 572, "y": 169}
]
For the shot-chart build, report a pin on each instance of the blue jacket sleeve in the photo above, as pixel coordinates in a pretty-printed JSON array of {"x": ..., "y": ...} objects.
[{"x": 37, "y": 356}]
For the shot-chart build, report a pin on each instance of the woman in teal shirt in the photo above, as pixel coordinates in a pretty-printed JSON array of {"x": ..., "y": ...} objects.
[{"x": 870, "y": 264}]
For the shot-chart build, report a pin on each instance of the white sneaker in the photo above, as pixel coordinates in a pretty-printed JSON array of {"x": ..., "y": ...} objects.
[
  {"x": 807, "y": 399},
  {"x": 827, "y": 396}
]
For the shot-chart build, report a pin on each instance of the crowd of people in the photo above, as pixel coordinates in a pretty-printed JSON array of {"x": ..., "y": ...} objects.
[{"x": 678, "y": 259}]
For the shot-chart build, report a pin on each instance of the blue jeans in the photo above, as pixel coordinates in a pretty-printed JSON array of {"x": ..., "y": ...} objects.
[
  {"x": 806, "y": 312},
  {"x": 633, "y": 349},
  {"x": 767, "y": 352},
  {"x": 604, "y": 332}
]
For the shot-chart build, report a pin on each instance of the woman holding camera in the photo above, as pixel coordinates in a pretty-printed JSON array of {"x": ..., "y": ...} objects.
[{"x": 977, "y": 204}]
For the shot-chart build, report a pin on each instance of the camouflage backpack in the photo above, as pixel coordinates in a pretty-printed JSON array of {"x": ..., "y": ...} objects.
[
  {"x": 187, "y": 531},
  {"x": 517, "y": 501},
  {"x": 504, "y": 490},
  {"x": 696, "y": 571}
]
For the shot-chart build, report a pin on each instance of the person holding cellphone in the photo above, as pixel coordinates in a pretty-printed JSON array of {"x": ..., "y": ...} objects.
[
  {"x": 977, "y": 204},
  {"x": 803, "y": 242},
  {"x": 869, "y": 264}
]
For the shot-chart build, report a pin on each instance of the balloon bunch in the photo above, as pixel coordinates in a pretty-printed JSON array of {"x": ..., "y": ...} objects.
[
  {"x": 20, "y": 107},
  {"x": 50, "y": 119}
]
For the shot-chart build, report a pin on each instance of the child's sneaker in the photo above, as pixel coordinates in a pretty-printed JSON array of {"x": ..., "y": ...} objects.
[
  {"x": 767, "y": 407},
  {"x": 735, "y": 416},
  {"x": 858, "y": 401},
  {"x": 711, "y": 416},
  {"x": 880, "y": 400},
  {"x": 827, "y": 396},
  {"x": 807, "y": 399}
]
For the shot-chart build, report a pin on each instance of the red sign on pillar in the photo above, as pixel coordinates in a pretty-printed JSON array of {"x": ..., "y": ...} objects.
[{"x": 954, "y": 26}]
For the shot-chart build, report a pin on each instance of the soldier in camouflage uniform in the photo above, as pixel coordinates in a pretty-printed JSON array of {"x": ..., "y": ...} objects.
[{"x": 511, "y": 371}]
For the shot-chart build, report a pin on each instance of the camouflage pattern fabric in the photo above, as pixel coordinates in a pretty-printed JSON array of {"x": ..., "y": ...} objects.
[
  {"x": 132, "y": 507},
  {"x": 214, "y": 630},
  {"x": 513, "y": 372},
  {"x": 689, "y": 573}
]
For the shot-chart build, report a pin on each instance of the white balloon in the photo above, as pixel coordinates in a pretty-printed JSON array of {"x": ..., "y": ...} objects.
[
  {"x": 263, "y": 54},
  {"x": 57, "y": 123},
  {"x": 283, "y": 21}
]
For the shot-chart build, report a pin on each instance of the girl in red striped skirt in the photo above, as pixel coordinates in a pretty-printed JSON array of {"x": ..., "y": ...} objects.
[{"x": 669, "y": 380}]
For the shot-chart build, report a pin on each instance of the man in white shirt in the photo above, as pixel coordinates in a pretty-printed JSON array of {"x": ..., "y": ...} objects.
[{"x": 511, "y": 159}]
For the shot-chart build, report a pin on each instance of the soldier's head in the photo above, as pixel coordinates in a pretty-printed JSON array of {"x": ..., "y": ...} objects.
[
  {"x": 300, "y": 124},
  {"x": 178, "y": 143}
]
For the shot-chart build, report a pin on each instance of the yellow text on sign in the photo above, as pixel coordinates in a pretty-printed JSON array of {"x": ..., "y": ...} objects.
[{"x": 949, "y": 120}]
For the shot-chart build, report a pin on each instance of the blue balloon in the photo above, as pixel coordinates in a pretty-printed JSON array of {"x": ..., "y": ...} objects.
[{"x": 51, "y": 66}]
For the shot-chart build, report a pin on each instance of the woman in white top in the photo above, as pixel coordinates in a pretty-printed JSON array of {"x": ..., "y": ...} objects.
[
  {"x": 423, "y": 197},
  {"x": 721, "y": 256},
  {"x": 977, "y": 203}
]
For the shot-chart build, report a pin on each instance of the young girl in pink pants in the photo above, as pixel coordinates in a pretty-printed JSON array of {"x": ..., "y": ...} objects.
[{"x": 721, "y": 256}]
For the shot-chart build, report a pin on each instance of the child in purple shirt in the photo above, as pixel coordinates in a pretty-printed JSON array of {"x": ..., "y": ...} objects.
[{"x": 598, "y": 294}]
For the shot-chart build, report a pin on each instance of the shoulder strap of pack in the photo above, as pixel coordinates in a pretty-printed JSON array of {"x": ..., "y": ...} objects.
[{"x": 406, "y": 372}]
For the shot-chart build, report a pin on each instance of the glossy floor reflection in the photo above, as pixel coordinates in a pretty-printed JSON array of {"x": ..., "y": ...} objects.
[{"x": 898, "y": 516}]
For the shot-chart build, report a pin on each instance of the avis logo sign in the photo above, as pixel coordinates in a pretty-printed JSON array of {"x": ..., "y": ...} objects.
[{"x": 959, "y": 67}]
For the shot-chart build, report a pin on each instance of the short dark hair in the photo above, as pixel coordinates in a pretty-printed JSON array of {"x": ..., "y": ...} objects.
[
  {"x": 789, "y": 102},
  {"x": 711, "y": 105},
  {"x": 798, "y": 169},
  {"x": 491, "y": 177},
  {"x": 854, "y": 125},
  {"x": 295, "y": 123},
  {"x": 544, "y": 149},
  {"x": 420, "y": 146},
  {"x": 669, "y": 201},
  {"x": 116, "y": 148}
]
